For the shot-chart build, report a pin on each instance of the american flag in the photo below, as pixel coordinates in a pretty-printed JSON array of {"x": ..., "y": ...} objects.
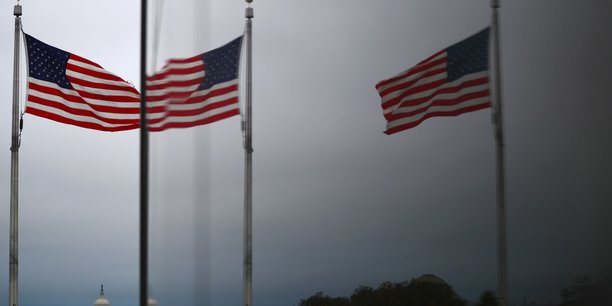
[
  {"x": 70, "y": 89},
  {"x": 449, "y": 83},
  {"x": 194, "y": 91}
]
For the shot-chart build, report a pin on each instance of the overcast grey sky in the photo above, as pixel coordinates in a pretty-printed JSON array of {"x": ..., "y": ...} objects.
[{"x": 337, "y": 203}]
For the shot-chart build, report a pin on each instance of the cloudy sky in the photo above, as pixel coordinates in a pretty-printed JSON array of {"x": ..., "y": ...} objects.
[{"x": 337, "y": 203}]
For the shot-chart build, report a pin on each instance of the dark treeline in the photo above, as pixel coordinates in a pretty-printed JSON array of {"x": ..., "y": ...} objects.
[
  {"x": 585, "y": 291},
  {"x": 417, "y": 293}
]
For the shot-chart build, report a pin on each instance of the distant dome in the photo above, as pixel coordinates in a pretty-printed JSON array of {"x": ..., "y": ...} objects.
[
  {"x": 101, "y": 301},
  {"x": 151, "y": 302},
  {"x": 430, "y": 278}
]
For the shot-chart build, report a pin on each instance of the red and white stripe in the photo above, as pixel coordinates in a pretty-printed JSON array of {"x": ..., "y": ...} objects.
[
  {"x": 423, "y": 91},
  {"x": 176, "y": 102},
  {"x": 99, "y": 99}
]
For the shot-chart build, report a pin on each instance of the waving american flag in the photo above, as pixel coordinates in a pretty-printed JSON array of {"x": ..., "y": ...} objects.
[
  {"x": 448, "y": 83},
  {"x": 197, "y": 90},
  {"x": 70, "y": 89}
]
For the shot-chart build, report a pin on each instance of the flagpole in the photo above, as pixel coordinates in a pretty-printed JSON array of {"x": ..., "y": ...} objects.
[
  {"x": 144, "y": 161},
  {"x": 15, "y": 142},
  {"x": 248, "y": 166},
  {"x": 499, "y": 160}
]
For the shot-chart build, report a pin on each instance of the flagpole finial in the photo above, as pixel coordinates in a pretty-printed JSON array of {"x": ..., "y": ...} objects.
[
  {"x": 17, "y": 10},
  {"x": 248, "y": 13}
]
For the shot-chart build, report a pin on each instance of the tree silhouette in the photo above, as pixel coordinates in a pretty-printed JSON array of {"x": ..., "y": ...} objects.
[
  {"x": 363, "y": 296},
  {"x": 487, "y": 298},
  {"x": 320, "y": 299},
  {"x": 432, "y": 294},
  {"x": 413, "y": 293}
]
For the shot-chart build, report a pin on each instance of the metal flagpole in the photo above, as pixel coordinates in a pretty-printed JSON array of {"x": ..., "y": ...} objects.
[
  {"x": 15, "y": 141},
  {"x": 499, "y": 150},
  {"x": 144, "y": 160},
  {"x": 248, "y": 166}
]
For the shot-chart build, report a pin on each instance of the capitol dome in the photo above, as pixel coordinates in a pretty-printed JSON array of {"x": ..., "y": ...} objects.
[
  {"x": 151, "y": 301},
  {"x": 102, "y": 301},
  {"x": 430, "y": 278}
]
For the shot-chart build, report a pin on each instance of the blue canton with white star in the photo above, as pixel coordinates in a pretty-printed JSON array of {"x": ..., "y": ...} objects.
[
  {"x": 468, "y": 56},
  {"x": 221, "y": 64},
  {"x": 47, "y": 63}
]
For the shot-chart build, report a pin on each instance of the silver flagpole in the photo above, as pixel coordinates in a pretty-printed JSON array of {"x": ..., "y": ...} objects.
[
  {"x": 144, "y": 162},
  {"x": 499, "y": 150},
  {"x": 14, "y": 222},
  {"x": 248, "y": 166}
]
